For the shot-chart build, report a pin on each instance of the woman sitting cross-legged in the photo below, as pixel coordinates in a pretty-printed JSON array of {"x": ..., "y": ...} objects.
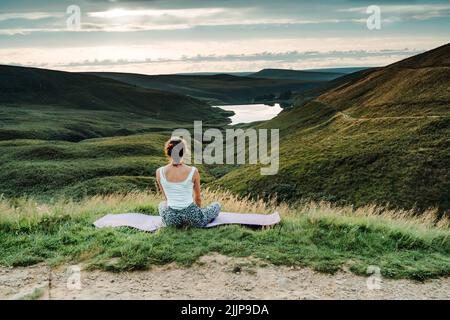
[{"x": 180, "y": 185}]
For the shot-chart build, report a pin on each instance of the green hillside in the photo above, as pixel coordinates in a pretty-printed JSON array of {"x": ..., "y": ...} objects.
[
  {"x": 48, "y": 168},
  {"x": 76, "y": 169},
  {"x": 380, "y": 137},
  {"x": 312, "y": 93},
  {"x": 46, "y": 104},
  {"x": 217, "y": 89}
]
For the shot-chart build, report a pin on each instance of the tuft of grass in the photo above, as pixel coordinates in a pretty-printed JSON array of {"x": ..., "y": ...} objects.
[
  {"x": 318, "y": 235},
  {"x": 36, "y": 294}
]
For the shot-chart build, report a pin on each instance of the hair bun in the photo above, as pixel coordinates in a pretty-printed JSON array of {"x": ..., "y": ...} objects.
[{"x": 171, "y": 144}]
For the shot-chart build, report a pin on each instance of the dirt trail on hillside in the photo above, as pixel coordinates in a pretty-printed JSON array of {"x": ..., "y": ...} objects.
[
  {"x": 346, "y": 116},
  {"x": 213, "y": 277}
]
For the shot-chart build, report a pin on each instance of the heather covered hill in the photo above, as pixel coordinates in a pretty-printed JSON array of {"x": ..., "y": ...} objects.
[
  {"x": 417, "y": 86},
  {"x": 219, "y": 88},
  {"x": 46, "y": 104},
  {"x": 381, "y": 137}
]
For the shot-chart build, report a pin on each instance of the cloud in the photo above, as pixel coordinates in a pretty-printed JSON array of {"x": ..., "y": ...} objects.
[
  {"x": 288, "y": 56},
  {"x": 220, "y": 55},
  {"x": 400, "y": 12},
  {"x": 124, "y": 20},
  {"x": 235, "y": 63},
  {"x": 442, "y": 9},
  {"x": 151, "y": 19},
  {"x": 172, "y": 19},
  {"x": 30, "y": 15},
  {"x": 26, "y": 31},
  {"x": 155, "y": 13}
]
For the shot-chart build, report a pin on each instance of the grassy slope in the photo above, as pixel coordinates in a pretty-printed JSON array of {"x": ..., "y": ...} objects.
[
  {"x": 219, "y": 89},
  {"x": 73, "y": 124},
  {"x": 47, "y": 169},
  {"x": 325, "y": 238},
  {"x": 381, "y": 138},
  {"x": 51, "y": 168},
  {"x": 310, "y": 94},
  {"x": 45, "y": 104}
]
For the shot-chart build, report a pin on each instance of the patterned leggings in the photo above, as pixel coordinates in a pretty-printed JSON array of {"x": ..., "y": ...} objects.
[{"x": 192, "y": 215}]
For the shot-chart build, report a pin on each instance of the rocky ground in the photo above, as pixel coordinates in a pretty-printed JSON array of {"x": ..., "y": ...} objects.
[{"x": 212, "y": 277}]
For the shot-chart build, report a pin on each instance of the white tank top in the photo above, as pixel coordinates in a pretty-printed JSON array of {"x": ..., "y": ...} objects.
[{"x": 178, "y": 194}]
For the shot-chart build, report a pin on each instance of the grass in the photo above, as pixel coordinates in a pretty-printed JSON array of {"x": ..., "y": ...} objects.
[
  {"x": 48, "y": 169},
  {"x": 23, "y": 86},
  {"x": 36, "y": 294},
  {"x": 316, "y": 235},
  {"x": 376, "y": 136},
  {"x": 56, "y": 168},
  {"x": 55, "y": 105},
  {"x": 68, "y": 123},
  {"x": 328, "y": 155}
]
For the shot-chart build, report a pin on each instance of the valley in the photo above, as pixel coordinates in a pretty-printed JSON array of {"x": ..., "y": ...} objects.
[
  {"x": 376, "y": 136},
  {"x": 225, "y": 89}
]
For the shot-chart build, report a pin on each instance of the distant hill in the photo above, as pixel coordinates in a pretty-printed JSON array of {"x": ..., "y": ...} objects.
[
  {"x": 39, "y": 103},
  {"x": 216, "y": 89},
  {"x": 341, "y": 71},
  {"x": 238, "y": 74},
  {"x": 344, "y": 70},
  {"x": 377, "y": 136},
  {"x": 313, "y": 92},
  {"x": 296, "y": 75},
  {"x": 20, "y": 85}
]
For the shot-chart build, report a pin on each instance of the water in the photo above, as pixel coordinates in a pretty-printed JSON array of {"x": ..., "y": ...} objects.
[{"x": 246, "y": 113}]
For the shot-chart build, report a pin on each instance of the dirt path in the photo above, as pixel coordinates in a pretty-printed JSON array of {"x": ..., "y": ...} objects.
[
  {"x": 346, "y": 116},
  {"x": 213, "y": 277}
]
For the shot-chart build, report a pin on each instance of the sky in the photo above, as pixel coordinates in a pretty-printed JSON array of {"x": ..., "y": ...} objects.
[{"x": 179, "y": 36}]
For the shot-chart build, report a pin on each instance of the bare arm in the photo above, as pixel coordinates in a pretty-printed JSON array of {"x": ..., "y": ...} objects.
[
  {"x": 159, "y": 183},
  {"x": 197, "y": 189}
]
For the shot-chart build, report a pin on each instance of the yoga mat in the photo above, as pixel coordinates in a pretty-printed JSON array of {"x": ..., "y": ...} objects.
[
  {"x": 152, "y": 223},
  {"x": 135, "y": 220}
]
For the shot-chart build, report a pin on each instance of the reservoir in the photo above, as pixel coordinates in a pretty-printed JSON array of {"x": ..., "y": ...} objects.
[{"x": 246, "y": 113}]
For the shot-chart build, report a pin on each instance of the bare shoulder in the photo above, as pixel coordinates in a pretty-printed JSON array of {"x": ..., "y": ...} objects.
[
  {"x": 195, "y": 170},
  {"x": 158, "y": 171},
  {"x": 196, "y": 174},
  {"x": 189, "y": 168}
]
